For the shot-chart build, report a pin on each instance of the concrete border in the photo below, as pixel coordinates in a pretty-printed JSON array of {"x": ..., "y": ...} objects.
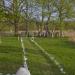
[
  {"x": 51, "y": 57},
  {"x": 23, "y": 70},
  {"x": 0, "y": 40}
]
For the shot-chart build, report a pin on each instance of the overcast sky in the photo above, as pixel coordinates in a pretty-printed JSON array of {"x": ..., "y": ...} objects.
[{"x": 37, "y": 12}]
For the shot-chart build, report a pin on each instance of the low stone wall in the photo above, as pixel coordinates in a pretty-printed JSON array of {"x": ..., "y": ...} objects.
[{"x": 56, "y": 33}]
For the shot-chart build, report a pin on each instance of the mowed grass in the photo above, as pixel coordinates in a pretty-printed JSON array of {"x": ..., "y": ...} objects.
[
  {"x": 38, "y": 63},
  {"x": 62, "y": 49},
  {"x": 10, "y": 55}
]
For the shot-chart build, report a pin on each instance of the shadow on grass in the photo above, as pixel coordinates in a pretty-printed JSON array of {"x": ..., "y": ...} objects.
[
  {"x": 11, "y": 59},
  {"x": 10, "y": 49}
]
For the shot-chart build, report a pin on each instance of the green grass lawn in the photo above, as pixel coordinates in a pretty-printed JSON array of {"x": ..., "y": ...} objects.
[
  {"x": 62, "y": 49},
  {"x": 10, "y": 55},
  {"x": 38, "y": 63}
]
